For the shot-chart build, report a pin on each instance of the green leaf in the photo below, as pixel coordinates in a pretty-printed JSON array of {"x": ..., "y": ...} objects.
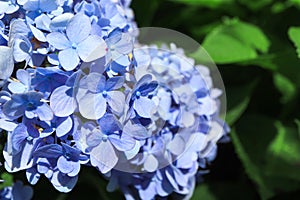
[
  {"x": 251, "y": 168},
  {"x": 203, "y": 192},
  {"x": 294, "y": 34},
  {"x": 233, "y": 41},
  {"x": 206, "y": 3},
  {"x": 285, "y": 86},
  {"x": 8, "y": 180},
  {"x": 255, "y": 4},
  {"x": 286, "y": 144},
  {"x": 238, "y": 98},
  {"x": 283, "y": 157},
  {"x": 269, "y": 152},
  {"x": 214, "y": 190}
]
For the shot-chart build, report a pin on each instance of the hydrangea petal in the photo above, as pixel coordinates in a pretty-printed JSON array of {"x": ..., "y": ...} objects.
[
  {"x": 79, "y": 28},
  {"x": 122, "y": 142},
  {"x": 76, "y": 169},
  {"x": 92, "y": 106},
  {"x": 58, "y": 40},
  {"x": 91, "y": 48},
  {"x": 65, "y": 125},
  {"x": 60, "y": 22},
  {"x": 116, "y": 101},
  {"x": 7, "y": 125},
  {"x": 32, "y": 175},
  {"x": 68, "y": 59},
  {"x": 49, "y": 151},
  {"x": 64, "y": 165},
  {"x": 151, "y": 163},
  {"x": 62, "y": 182},
  {"x": 104, "y": 157},
  {"x": 48, "y": 5},
  {"x": 20, "y": 192},
  {"x": 18, "y": 137},
  {"x": 39, "y": 35},
  {"x": 177, "y": 145},
  {"x": 94, "y": 138},
  {"x": 144, "y": 107},
  {"x": 6, "y": 62},
  {"x": 44, "y": 112},
  {"x": 61, "y": 103},
  {"x": 136, "y": 131}
]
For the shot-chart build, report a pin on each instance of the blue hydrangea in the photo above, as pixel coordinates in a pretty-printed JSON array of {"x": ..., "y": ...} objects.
[{"x": 147, "y": 118}]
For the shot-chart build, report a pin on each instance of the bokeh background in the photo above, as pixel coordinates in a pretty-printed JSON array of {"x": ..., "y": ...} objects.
[{"x": 254, "y": 44}]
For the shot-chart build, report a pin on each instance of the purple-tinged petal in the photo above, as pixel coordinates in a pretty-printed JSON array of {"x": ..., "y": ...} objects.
[
  {"x": 149, "y": 192},
  {"x": 170, "y": 178},
  {"x": 95, "y": 82},
  {"x": 48, "y": 5},
  {"x": 20, "y": 192},
  {"x": 94, "y": 138},
  {"x": 122, "y": 142},
  {"x": 22, "y": 49},
  {"x": 22, "y": 160},
  {"x": 31, "y": 5},
  {"x": 134, "y": 151},
  {"x": 43, "y": 22},
  {"x": 63, "y": 182},
  {"x": 109, "y": 124},
  {"x": 181, "y": 179},
  {"x": 53, "y": 59}
]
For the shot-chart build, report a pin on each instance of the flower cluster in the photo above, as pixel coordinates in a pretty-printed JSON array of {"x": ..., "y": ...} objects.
[{"x": 146, "y": 117}]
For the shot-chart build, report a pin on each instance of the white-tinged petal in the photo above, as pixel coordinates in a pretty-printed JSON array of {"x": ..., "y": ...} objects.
[
  {"x": 79, "y": 28},
  {"x": 116, "y": 100},
  {"x": 104, "y": 157},
  {"x": 58, "y": 40},
  {"x": 92, "y": 106},
  {"x": 92, "y": 48},
  {"x": 68, "y": 59},
  {"x": 144, "y": 106}
]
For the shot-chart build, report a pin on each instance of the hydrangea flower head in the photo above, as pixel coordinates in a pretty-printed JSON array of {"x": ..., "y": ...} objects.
[{"x": 77, "y": 89}]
